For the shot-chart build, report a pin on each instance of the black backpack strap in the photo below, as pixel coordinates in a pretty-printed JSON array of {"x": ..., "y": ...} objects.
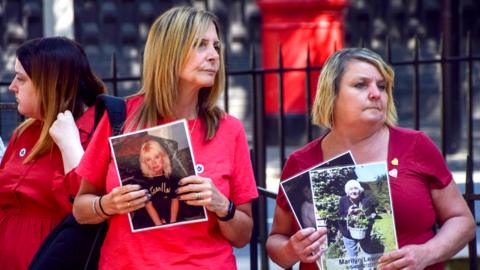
[{"x": 116, "y": 111}]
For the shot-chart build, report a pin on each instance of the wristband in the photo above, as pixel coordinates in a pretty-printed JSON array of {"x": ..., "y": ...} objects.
[
  {"x": 230, "y": 213},
  {"x": 101, "y": 208},
  {"x": 94, "y": 208}
]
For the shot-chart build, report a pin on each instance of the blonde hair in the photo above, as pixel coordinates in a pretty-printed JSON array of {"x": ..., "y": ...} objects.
[
  {"x": 329, "y": 83},
  {"x": 170, "y": 40},
  {"x": 154, "y": 146},
  {"x": 62, "y": 76}
]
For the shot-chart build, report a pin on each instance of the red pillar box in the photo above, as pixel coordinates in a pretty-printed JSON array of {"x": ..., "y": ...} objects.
[{"x": 296, "y": 25}]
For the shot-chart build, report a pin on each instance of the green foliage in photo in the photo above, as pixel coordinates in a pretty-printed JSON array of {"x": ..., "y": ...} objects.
[{"x": 384, "y": 225}]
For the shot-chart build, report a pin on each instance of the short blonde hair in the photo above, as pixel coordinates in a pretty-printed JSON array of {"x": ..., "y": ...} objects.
[
  {"x": 329, "y": 83},
  {"x": 154, "y": 146},
  {"x": 170, "y": 40}
]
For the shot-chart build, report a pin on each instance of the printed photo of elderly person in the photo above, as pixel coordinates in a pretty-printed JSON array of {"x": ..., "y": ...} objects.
[{"x": 355, "y": 202}]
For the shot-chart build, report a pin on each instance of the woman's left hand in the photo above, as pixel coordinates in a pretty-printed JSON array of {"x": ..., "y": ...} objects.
[
  {"x": 201, "y": 191},
  {"x": 64, "y": 131},
  {"x": 411, "y": 257}
]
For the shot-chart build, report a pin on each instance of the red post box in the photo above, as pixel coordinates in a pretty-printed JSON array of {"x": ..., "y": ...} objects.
[{"x": 296, "y": 25}]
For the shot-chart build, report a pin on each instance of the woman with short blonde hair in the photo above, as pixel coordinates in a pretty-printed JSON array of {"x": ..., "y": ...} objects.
[
  {"x": 329, "y": 81},
  {"x": 354, "y": 101}
]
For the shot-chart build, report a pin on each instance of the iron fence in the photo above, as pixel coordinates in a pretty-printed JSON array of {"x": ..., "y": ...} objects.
[{"x": 258, "y": 255}]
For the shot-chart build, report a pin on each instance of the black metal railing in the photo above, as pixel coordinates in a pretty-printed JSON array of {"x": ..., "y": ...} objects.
[{"x": 258, "y": 255}]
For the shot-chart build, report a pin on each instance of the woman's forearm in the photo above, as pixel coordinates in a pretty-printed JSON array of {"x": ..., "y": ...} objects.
[
  {"x": 280, "y": 252},
  {"x": 86, "y": 209},
  {"x": 450, "y": 239},
  {"x": 238, "y": 230},
  {"x": 71, "y": 157},
  {"x": 457, "y": 224}
]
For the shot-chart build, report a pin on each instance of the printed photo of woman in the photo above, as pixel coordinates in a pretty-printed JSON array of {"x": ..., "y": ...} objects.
[{"x": 156, "y": 168}]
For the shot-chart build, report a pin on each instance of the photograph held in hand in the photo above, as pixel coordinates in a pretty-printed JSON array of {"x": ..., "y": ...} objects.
[{"x": 156, "y": 159}]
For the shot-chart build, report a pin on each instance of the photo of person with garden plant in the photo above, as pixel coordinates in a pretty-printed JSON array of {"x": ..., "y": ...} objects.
[
  {"x": 357, "y": 213},
  {"x": 353, "y": 203}
]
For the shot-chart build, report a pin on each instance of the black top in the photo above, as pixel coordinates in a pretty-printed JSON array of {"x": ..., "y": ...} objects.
[
  {"x": 158, "y": 186},
  {"x": 162, "y": 190}
]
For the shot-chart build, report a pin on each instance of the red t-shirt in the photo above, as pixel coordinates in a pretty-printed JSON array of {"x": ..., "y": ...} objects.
[
  {"x": 225, "y": 160},
  {"x": 34, "y": 197},
  {"x": 420, "y": 168}
]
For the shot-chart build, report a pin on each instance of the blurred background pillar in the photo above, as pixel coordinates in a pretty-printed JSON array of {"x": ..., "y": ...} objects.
[
  {"x": 295, "y": 25},
  {"x": 453, "y": 123}
]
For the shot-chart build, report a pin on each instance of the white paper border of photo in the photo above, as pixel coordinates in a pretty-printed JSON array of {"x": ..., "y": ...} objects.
[
  {"x": 292, "y": 178},
  {"x": 147, "y": 131},
  {"x": 323, "y": 258}
]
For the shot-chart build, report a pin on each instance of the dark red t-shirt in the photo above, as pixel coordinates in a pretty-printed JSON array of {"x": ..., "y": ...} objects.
[{"x": 420, "y": 168}]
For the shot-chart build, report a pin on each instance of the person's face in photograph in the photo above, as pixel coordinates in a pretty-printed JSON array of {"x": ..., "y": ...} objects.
[
  {"x": 202, "y": 63},
  {"x": 362, "y": 95},
  {"x": 354, "y": 192},
  {"x": 307, "y": 193},
  {"x": 26, "y": 94},
  {"x": 153, "y": 161}
]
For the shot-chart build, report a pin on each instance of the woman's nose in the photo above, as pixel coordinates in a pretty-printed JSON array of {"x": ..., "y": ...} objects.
[
  {"x": 12, "y": 87},
  {"x": 213, "y": 54},
  {"x": 373, "y": 92}
]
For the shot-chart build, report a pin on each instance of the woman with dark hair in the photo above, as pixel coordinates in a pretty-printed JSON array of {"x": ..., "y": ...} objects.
[{"x": 54, "y": 87}]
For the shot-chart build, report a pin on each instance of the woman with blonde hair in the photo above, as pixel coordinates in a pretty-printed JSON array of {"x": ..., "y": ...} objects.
[
  {"x": 156, "y": 169},
  {"x": 183, "y": 76},
  {"x": 154, "y": 159},
  {"x": 354, "y": 100},
  {"x": 54, "y": 86}
]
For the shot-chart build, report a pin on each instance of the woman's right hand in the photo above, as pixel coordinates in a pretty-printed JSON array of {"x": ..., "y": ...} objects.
[
  {"x": 307, "y": 244},
  {"x": 286, "y": 245},
  {"x": 124, "y": 199}
]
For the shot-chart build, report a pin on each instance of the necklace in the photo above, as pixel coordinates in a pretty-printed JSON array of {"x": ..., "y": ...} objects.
[{"x": 193, "y": 126}]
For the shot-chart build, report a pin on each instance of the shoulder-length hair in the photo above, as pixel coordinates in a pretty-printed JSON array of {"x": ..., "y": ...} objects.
[
  {"x": 60, "y": 72},
  {"x": 329, "y": 83},
  {"x": 150, "y": 146},
  {"x": 170, "y": 40}
]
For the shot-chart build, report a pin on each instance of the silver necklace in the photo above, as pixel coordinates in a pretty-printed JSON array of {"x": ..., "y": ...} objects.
[{"x": 193, "y": 126}]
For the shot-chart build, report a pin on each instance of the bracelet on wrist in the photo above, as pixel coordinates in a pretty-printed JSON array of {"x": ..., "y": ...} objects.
[
  {"x": 230, "y": 212},
  {"x": 94, "y": 206},
  {"x": 101, "y": 208}
]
